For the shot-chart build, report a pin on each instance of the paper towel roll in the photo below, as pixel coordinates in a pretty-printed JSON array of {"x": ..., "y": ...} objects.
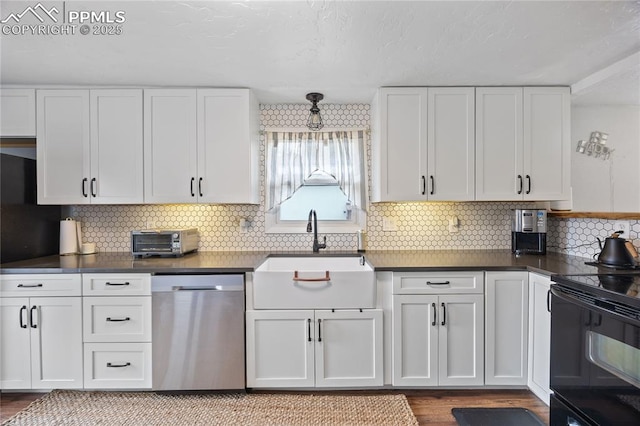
[{"x": 68, "y": 236}]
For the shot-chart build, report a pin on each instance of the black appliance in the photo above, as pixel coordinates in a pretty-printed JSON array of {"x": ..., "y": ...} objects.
[
  {"x": 529, "y": 231},
  {"x": 595, "y": 349},
  {"x": 27, "y": 230}
]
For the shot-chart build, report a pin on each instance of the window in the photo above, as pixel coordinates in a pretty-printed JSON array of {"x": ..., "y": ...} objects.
[{"x": 323, "y": 171}]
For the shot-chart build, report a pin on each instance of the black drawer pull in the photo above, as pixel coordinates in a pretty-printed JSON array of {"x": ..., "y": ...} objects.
[
  {"x": 118, "y": 319},
  {"x": 438, "y": 283},
  {"x": 30, "y": 285},
  {"x": 31, "y": 320},
  {"x": 433, "y": 308},
  {"x": 23, "y": 310},
  {"x": 118, "y": 365},
  {"x": 124, "y": 283}
]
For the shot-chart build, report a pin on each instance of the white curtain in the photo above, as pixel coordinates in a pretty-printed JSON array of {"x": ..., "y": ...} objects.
[{"x": 293, "y": 156}]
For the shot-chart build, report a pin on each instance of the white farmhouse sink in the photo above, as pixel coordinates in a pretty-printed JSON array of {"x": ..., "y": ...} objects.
[{"x": 325, "y": 282}]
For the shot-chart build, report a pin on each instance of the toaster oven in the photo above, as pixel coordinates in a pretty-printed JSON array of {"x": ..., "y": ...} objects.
[{"x": 164, "y": 242}]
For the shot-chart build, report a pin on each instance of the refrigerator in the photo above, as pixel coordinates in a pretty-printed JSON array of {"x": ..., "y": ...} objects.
[{"x": 27, "y": 230}]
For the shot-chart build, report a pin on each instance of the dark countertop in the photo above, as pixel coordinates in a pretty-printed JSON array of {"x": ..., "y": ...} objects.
[{"x": 240, "y": 262}]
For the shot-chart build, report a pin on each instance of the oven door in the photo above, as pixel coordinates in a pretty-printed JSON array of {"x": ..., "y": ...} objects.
[{"x": 595, "y": 363}]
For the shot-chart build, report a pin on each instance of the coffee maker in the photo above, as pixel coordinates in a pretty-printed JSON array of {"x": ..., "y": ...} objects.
[{"x": 529, "y": 231}]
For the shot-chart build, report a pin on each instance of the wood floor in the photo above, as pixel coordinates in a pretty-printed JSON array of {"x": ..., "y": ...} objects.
[{"x": 431, "y": 407}]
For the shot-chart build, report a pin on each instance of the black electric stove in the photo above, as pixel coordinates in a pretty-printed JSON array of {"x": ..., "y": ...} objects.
[{"x": 595, "y": 348}]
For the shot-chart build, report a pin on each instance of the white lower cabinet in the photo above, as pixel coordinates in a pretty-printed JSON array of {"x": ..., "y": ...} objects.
[
  {"x": 507, "y": 322},
  {"x": 117, "y": 331},
  {"x": 314, "y": 348},
  {"x": 539, "y": 336},
  {"x": 438, "y": 340},
  {"x": 40, "y": 337}
]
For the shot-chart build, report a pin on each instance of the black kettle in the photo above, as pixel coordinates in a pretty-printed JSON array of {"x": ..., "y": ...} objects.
[{"x": 615, "y": 252}]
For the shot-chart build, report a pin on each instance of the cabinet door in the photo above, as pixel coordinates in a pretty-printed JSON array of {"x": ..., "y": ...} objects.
[
  {"x": 461, "y": 340},
  {"x": 62, "y": 148},
  {"x": 18, "y": 113},
  {"x": 170, "y": 169},
  {"x": 15, "y": 343},
  {"x": 547, "y": 143},
  {"x": 227, "y": 146},
  {"x": 348, "y": 348},
  {"x": 507, "y": 322},
  {"x": 56, "y": 343},
  {"x": 415, "y": 340},
  {"x": 499, "y": 149},
  {"x": 280, "y": 349},
  {"x": 451, "y": 144},
  {"x": 399, "y": 151},
  {"x": 539, "y": 336},
  {"x": 116, "y": 147}
]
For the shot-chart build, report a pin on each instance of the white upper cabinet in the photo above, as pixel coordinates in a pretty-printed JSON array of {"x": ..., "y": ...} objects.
[
  {"x": 201, "y": 146},
  {"x": 228, "y": 137},
  {"x": 89, "y": 147},
  {"x": 62, "y": 149},
  {"x": 523, "y": 143},
  {"x": 423, "y": 145},
  {"x": 17, "y": 112},
  {"x": 170, "y": 146}
]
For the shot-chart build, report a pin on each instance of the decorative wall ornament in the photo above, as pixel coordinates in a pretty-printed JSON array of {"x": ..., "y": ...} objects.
[{"x": 596, "y": 146}]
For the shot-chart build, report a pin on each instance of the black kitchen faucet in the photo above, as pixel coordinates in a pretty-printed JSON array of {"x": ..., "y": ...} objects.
[{"x": 316, "y": 245}]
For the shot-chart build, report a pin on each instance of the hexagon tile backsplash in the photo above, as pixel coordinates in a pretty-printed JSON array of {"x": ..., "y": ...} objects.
[{"x": 418, "y": 226}]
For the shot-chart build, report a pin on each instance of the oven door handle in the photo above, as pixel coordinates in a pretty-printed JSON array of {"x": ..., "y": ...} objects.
[{"x": 593, "y": 308}]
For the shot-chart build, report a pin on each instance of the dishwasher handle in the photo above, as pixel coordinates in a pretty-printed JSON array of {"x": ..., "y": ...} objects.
[{"x": 205, "y": 288}]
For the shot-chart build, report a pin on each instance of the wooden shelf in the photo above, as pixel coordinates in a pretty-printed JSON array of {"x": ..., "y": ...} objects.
[{"x": 595, "y": 215}]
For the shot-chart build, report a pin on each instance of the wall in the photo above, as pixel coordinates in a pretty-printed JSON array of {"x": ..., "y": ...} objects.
[
  {"x": 418, "y": 225},
  {"x": 611, "y": 185}
]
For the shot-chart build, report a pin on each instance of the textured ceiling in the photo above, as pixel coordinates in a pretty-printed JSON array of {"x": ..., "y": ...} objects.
[{"x": 343, "y": 49}]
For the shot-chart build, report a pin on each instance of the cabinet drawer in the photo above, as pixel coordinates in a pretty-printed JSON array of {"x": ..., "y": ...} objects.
[
  {"x": 117, "y": 319},
  {"x": 116, "y": 284},
  {"x": 438, "y": 282},
  {"x": 117, "y": 365},
  {"x": 40, "y": 285}
]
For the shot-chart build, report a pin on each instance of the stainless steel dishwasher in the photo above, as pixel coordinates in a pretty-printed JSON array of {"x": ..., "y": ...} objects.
[{"x": 198, "y": 332}]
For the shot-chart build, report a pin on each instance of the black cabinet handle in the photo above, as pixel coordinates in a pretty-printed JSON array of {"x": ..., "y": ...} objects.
[
  {"x": 193, "y": 194},
  {"x": 200, "y": 186},
  {"x": 444, "y": 314},
  {"x": 31, "y": 311},
  {"x": 118, "y": 319},
  {"x": 424, "y": 185},
  {"x": 528, "y": 184},
  {"x": 84, "y": 187},
  {"x": 549, "y": 300},
  {"x": 520, "y": 184},
  {"x": 433, "y": 185},
  {"x": 93, "y": 187},
  {"x": 23, "y": 310},
  {"x": 29, "y": 285},
  {"x": 118, "y": 365},
  {"x": 433, "y": 308},
  {"x": 308, "y": 329},
  {"x": 117, "y": 284},
  {"x": 438, "y": 283},
  {"x": 319, "y": 330}
]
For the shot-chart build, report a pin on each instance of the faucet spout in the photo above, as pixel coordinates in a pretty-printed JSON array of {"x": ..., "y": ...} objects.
[{"x": 316, "y": 245}]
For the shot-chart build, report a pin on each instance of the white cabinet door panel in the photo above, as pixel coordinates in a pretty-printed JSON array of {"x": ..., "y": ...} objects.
[
  {"x": 63, "y": 148},
  {"x": 348, "y": 348},
  {"x": 451, "y": 144},
  {"x": 280, "y": 348},
  {"x": 15, "y": 344},
  {"x": 56, "y": 344},
  {"x": 415, "y": 340},
  {"x": 507, "y": 322},
  {"x": 116, "y": 147},
  {"x": 461, "y": 340},
  {"x": 170, "y": 146},
  {"x": 17, "y": 113},
  {"x": 539, "y": 336}
]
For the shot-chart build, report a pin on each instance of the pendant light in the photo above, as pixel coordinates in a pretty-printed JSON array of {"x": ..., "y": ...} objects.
[{"x": 315, "y": 119}]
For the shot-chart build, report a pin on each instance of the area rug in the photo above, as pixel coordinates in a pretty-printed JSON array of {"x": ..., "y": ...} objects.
[
  {"x": 147, "y": 408},
  {"x": 495, "y": 417}
]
